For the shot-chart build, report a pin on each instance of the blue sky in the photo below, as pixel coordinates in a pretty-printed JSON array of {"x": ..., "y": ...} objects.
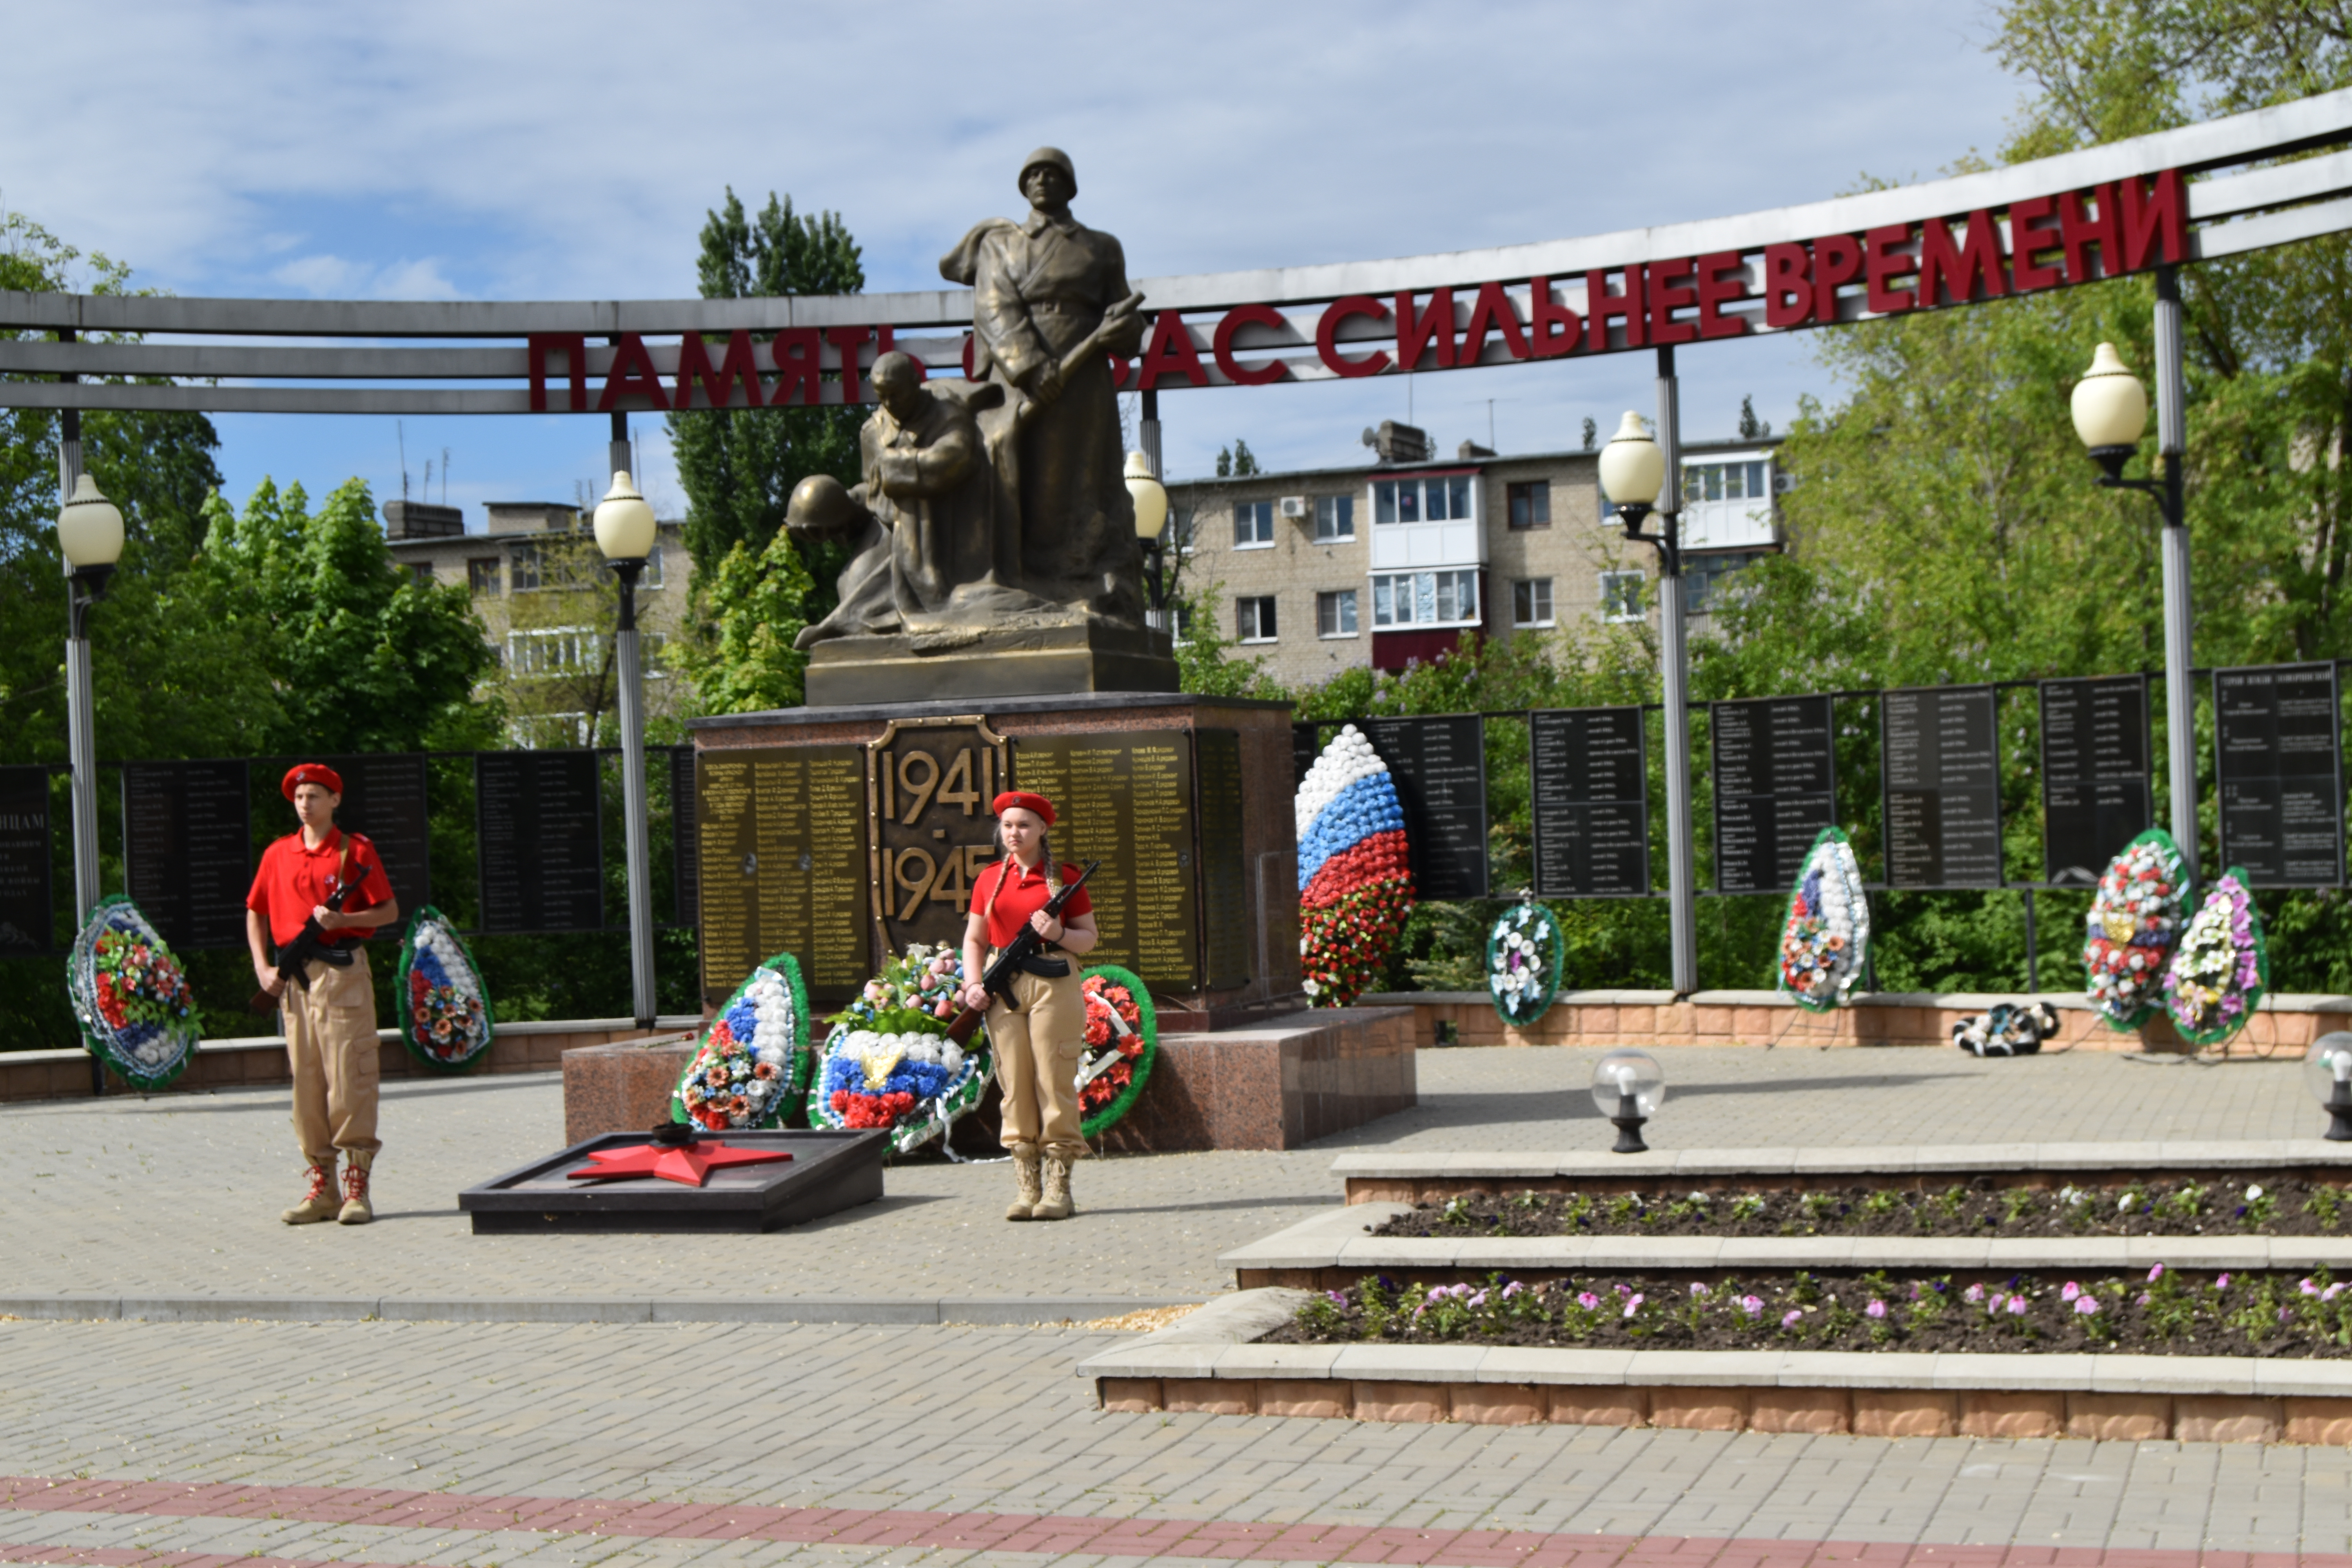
[{"x": 528, "y": 151}]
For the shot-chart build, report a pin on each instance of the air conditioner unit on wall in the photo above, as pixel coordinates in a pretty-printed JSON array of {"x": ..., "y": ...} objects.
[{"x": 1294, "y": 506}]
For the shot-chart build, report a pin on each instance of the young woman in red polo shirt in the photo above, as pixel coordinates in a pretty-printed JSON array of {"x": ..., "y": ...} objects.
[{"x": 1039, "y": 1037}]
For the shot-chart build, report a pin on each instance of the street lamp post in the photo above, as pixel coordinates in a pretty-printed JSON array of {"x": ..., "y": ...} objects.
[
  {"x": 1150, "y": 518},
  {"x": 624, "y": 533},
  {"x": 1633, "y": 469},
  {"x": 89, "y": 536},
  {"x": 2110, "y": 409}
]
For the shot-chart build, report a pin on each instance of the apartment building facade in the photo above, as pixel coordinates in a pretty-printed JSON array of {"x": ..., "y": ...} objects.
[{"x": 1317, "y": 571}]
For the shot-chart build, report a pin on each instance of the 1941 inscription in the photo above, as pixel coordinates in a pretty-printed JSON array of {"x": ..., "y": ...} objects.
[{"x": 930, "y": 787}]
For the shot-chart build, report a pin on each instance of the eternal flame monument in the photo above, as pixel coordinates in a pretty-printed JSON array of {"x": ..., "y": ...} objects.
[{"x": 990, "y": 634}]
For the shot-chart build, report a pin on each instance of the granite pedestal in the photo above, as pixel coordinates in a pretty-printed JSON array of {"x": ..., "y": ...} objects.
[
  {"x": 622, "y": 1087},
  {"x": 1277, "y": 1085},
  {"x": 970, "y": 664}
]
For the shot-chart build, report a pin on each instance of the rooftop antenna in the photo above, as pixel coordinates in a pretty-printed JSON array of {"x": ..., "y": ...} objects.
[
  {"x": 445, "y": 476},
  {"x": 399, "y": 432}
]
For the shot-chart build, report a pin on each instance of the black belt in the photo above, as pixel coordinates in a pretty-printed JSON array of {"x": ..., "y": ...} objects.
[
  {"x": 1047, "y": 968},
  {"x": 335, "y": 957}
]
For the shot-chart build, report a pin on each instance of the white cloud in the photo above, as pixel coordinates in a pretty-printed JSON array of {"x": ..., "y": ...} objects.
[{"x": 336, "y": 277}]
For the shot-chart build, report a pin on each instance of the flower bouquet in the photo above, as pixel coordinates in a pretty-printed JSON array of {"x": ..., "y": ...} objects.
[
  {"x": 1355, "y": 884},
  {"x": 137, "y": 1014},
  {"x": 888, "y": 1063},
  {"x": 1522, "y": 962},
  {"x": 445, "y": 1020},
  {"x": 1826, "y": 934},
  {"x": 1122, "y": 1039},
  {"x": 2133, "y": 922},
  {"x": 2221, "y": 969},
  {"x": 754, "y": 1056}
]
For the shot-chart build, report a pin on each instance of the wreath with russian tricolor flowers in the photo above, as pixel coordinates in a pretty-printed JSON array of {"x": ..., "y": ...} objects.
[
  {"x": 1355, "y": 881},
  {"x": 2134, "y": 923},
  {"x": 445, "y": 1012},
  {"x": 888, "y": 1063},
  {"x": 753, "y": 1058},
  {"x": 132, "y": 996}
]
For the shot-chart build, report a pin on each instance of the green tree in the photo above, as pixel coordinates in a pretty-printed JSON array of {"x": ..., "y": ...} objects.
[
  {"x": 746, "y": 661},
  {"x": 739, "y": 466},
  {"x": 363, "y": 656},
  {"x": 1236, "y": 462}
]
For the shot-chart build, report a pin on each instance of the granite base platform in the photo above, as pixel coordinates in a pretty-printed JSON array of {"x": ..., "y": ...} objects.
[
  {"x": 624, "y": 1087},
  {"x": 965, "y": 664},
  {"x": 1277, "y": 1086},
  {"x": 828, "y": 1172}
]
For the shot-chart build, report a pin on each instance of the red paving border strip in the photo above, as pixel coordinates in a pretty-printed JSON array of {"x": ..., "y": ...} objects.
[{"x": 1042, "y": 1534}]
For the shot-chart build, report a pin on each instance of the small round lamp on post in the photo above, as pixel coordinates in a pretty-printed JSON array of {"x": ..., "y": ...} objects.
[
  {"x": 1632, "y": 471},
  {"x": 1151, "y": 519},
  {"x": 1628, "y": 1087},
  {"x": 2327, "y": 1073},
  {"x": 2110, "y": 408},
  {"x": 625, "y": 531}
]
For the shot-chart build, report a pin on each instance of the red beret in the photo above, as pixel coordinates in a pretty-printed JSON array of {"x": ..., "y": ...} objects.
[
  {"x": 1026, "y": 801},
  {"x": 312, "y": 773}
]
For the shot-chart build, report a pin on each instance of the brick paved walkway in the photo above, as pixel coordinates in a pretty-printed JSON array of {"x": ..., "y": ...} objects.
[
  {"x": 177, "y": 1195},
  {"x": 506, "y": 1445}
]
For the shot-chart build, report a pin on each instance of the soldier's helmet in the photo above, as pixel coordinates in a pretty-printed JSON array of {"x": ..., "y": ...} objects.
[
  {"x": 820, "y": 506},
  {"x": 1057, "y": 157}
]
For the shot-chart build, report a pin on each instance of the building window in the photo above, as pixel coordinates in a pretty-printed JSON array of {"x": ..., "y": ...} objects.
[
  {"x": 1255, "y": 617},
  {"x": 1335, "y": 517},
  {"x": 655, "y": 645},
  {"x": 1334, "y": 614},
  {"x": 423, "y": 572},
  {"x": 482, "y": 576},
  {"x": 651, "y": 576},
  {"x": 1425, "y": 599},
  {"x": 1180, "y": 528},
  {"x": 1707, "y": 576},
  {"x": 1443, "y": 498},
  {"x": 1531, "y": 602},
  {"x": 1253, "y": 524},
  {"x": 1725, "y": 482},
  {"x": 1183, "y": 621},
  {"x": 1620, "y": 595},
  {"x": 553, "y": 651},
  {"x": 522, "y": 560},
  {"x": 1530, "y": 504}
]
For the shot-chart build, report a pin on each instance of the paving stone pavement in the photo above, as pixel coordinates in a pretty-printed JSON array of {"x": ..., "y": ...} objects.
[
  {"x": 177, "y": 1195},
  {"x": 944, "y": 1444}
]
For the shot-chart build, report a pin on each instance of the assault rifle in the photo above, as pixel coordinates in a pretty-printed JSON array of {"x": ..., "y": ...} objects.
[
  {"x": 294, "y": 958},
  {"x": 1017, "y": 954}
]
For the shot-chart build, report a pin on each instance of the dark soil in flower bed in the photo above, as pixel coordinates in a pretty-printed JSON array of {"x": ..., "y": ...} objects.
[
  {"x": 2281, "y": 1205},
  {"x": 2158, "y": 1313}
]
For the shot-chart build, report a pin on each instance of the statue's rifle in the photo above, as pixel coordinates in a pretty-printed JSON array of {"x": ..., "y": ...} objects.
[
  {"x": 1115, "y": 321},
  {"x": 1017, "y": 955}
]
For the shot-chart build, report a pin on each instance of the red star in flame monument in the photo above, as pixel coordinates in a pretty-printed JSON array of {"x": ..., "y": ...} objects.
[{"x": 673, "y": 1154}]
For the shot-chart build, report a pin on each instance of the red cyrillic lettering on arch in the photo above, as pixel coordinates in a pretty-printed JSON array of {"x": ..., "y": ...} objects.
[
  {"x": 719, "y": 386},
  {"x": 1882, "y": 264},
  {"x": 846, "y": 342},
  {"x": 632, "y": 376},
  {"x": 1491, "y": 312},
  {"x": 1602, "y": 307},
  {"x": 1722, "y": 278},
  {"x": 2079, "y": 230},
  {"x": 1553, "y": 328},
  {"x": 1976, "y": 262},
  {"x": 1415, "y": 333},
  {"x": 1326, "y": 337},
  {"x": 1665, "y": 299},
  {"x": 2030, "y": 232},
  {"x": 574, "y": 347},
  {"x": 1170, "y": 354},
  {"x": 1837, "y": 258},
  {"x": 793, "y": 353},
  {"x": 2154, "y": 219},
  {"x": 1222, "y": 345},
  {"x": 1788, "y": 285}
]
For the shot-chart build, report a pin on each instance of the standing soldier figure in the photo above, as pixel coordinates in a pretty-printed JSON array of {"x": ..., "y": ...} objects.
[
  {"x": 330, "y": 1017},
  {"x": 1039, "y": 1037}
]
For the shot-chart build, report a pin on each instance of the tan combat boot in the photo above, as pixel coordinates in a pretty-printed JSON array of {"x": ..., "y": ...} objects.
[
  {"x": 318, "y": 1200},
  {"x": 1056, "y": 1204},
  {"x": 1025, "y": 1170},
  {"x": 357, "y": 1210}
]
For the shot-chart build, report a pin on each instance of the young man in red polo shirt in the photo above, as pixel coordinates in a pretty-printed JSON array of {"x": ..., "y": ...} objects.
[
  {"x": 1040, "y": 1036},
  {"x": 329, "y": 1023}
]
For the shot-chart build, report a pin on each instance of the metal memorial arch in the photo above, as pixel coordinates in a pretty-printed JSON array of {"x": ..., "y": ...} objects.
[{"x": 2226, "y": 187}]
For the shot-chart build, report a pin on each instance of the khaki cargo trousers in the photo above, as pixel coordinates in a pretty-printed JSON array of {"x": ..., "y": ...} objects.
[
  {"x": 331, "y": 1047},
  {"x": 1038, "y": 1041}
]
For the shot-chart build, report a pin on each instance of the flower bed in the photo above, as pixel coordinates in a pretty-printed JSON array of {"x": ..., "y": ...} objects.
[
  {"x": 445, "y": 1020},
  {"x": 131, "y": 996},
  {"x": 2158, "y": 1311},
  {"x": 2278, "y": 1205}
]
